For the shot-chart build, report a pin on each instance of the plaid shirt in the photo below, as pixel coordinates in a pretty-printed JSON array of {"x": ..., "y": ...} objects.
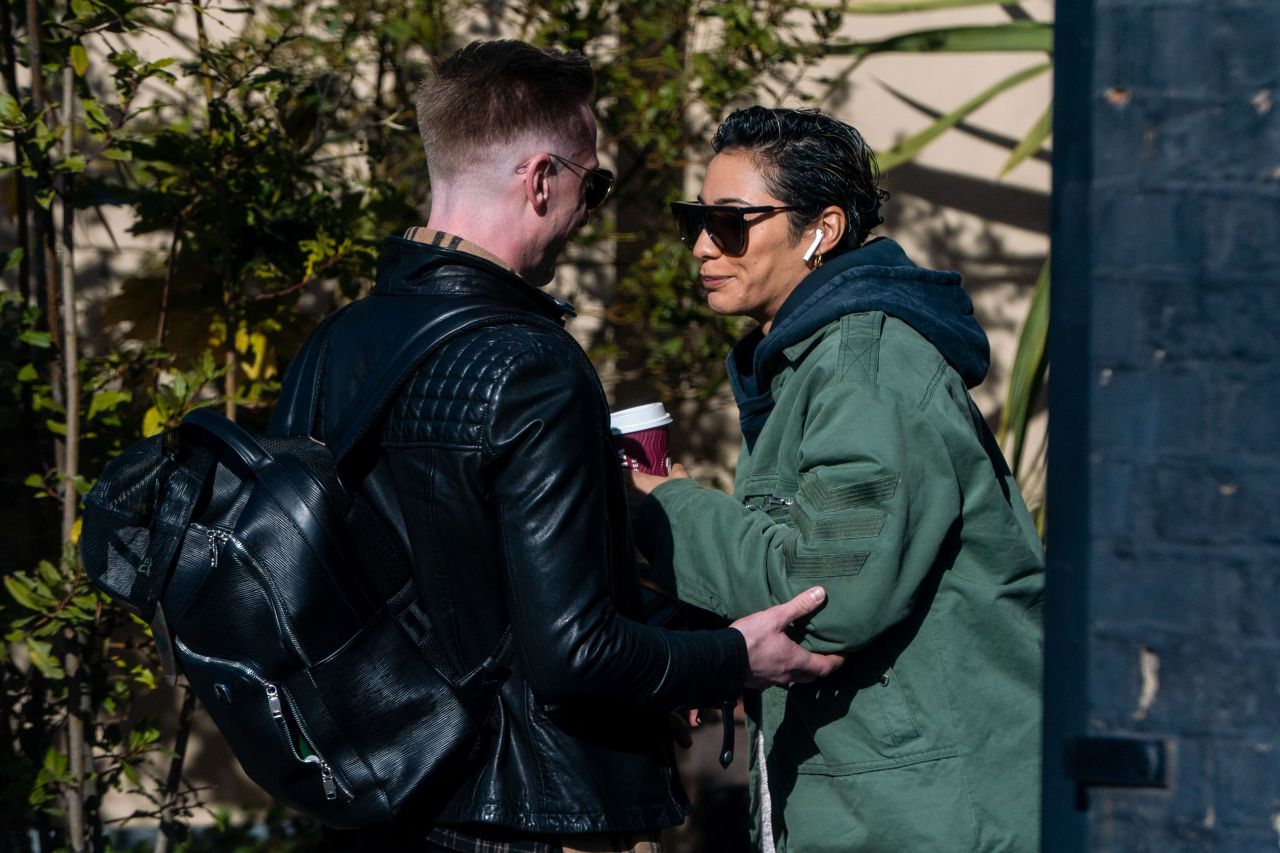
[{"x": 498, "y": 839}]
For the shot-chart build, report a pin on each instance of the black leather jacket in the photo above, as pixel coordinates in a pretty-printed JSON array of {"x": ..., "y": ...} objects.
[{"x": 496, "y": 468}]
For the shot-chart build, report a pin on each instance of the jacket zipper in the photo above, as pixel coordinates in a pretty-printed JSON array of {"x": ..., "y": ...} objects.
[
  {"x": 328, "y": 779},
  {"x": 772, "y": 502}
]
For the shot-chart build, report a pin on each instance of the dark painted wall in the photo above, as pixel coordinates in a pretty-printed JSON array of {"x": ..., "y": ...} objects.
[{"x": 1163, "y": 608}]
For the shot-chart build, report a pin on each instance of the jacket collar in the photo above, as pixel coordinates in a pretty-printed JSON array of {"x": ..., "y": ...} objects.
[
  {"x": 877, "y": 276},
  {"x": 409, "y": 267}
]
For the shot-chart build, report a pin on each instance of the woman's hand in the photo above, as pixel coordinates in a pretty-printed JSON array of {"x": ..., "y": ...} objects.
[{"x": 646, "y": 483}]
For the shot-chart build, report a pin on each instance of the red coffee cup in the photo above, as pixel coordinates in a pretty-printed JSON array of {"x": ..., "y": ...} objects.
[{"x": 641, "y": 436}]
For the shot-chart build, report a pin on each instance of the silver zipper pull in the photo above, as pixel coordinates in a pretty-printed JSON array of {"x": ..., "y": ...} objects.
[
  {"x": 330, "y": 786},
  {"x": 779, "y": 501},
  {"x": 213, "y": 551},
  {"x": 273, "y": 701}
]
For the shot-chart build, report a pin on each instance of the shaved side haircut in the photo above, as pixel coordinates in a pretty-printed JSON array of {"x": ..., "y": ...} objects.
[{"x": 493, "y": 92}]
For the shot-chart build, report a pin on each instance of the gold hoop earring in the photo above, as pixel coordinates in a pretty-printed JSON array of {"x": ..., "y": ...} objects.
[{"x": 817, "y": 260}]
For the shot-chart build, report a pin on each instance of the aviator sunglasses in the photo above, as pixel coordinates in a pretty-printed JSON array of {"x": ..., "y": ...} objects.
[
  {"x": 596, "y": 182},
  {"x": 725, "y": 224}
]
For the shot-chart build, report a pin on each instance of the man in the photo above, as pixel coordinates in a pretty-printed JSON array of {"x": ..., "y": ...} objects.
[{"x": 495, "y": 466}]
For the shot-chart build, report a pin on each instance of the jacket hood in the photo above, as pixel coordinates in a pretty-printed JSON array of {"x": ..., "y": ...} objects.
[{"x": 877, "y": 276}]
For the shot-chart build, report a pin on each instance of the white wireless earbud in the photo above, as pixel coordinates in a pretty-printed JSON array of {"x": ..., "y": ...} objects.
[{"x": 813, "y": 247}]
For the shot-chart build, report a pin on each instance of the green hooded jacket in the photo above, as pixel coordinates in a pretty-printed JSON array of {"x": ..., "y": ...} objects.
[{"x": 867, "y": 469}]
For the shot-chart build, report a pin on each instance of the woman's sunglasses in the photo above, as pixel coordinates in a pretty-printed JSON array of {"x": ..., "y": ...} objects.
[
  {"x": 725, "y": 224},
  {"x": 596, "y": 183}
]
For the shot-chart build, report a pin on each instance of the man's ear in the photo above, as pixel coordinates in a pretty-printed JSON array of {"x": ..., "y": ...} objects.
[{"x": 537, "y": 183}]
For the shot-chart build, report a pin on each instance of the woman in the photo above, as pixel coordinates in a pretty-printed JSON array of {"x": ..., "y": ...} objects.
[{"x": 865, "y": 468}]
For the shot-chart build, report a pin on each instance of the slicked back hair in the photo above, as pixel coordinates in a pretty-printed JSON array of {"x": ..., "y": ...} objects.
[
  {"x": 493, "y": 92},
  {"x": 809, "y": 161}
]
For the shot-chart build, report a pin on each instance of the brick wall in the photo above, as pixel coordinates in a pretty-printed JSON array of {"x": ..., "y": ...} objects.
[{"x": 1164, "y": 501}]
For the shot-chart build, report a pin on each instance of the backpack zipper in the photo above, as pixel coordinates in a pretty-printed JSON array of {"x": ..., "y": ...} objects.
[
  {"x": 218, "y": 536},
  {"x": 328, "y": 779}
]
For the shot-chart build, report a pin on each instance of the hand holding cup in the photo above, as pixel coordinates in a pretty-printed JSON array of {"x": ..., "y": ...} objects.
[{"x": 642, "y": 438}]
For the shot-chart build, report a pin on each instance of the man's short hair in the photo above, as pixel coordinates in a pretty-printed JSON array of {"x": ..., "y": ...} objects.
[
  {"x": 493, "y": 92},
  {"x": 810, "y": 160}
]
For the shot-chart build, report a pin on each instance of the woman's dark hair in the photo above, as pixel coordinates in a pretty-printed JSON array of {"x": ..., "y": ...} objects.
[{"x": 809, "y": 161}]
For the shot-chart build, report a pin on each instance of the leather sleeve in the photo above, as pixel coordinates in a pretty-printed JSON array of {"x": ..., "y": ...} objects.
[{"x": 547, "y": 442}]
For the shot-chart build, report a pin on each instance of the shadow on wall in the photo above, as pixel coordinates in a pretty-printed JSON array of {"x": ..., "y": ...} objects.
[{"x": 993, "y": 271}]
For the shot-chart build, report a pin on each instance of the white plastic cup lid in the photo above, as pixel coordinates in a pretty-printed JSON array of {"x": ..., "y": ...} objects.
[{"x": 637, "y": 418}]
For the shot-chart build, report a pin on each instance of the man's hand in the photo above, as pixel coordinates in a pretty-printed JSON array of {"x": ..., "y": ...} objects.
[{"x": 772, "y": 656}]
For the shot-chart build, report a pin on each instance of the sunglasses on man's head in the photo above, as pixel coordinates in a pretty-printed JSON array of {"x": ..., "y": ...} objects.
[
  {"x": 596, "y": 183},
  {"x": 725, "y": 224}
]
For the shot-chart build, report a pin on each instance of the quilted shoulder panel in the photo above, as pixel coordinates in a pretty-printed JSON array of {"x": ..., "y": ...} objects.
[{"x": 448, "y": 400}]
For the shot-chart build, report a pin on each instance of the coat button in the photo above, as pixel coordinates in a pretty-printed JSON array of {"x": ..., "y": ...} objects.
[{"x": 884, "y": 680}]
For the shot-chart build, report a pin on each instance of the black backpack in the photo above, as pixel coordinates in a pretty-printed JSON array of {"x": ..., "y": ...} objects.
[{"x": 285, "y": 600}]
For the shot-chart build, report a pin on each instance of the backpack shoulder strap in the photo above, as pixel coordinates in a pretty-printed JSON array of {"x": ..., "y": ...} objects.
[
  {"x": 394, "y": 370},
  {"x": 295, "y": 410}
]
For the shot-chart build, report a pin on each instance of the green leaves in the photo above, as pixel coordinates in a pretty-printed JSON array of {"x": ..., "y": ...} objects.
[
  {"x": 35, "y": 338},
  {"x": 31, "y": 594},
  {"x": 79, "y": 57},
  {"x": 1032, "y": 142},
  {"x": 74, "y": 163},
  {"x": 105, "y": 401},
  {"x": 53, "y": 774},
  {"x": 911, "y": 147},
  {"x": 1015, "y": 36},
  {"x": 10, "y": 111},
  {"x": 898, "y": 8},
  {"x": 42, "y": 659},
  {"x": 94, "y": 117},
  {"x": 1027, "y": 376}
]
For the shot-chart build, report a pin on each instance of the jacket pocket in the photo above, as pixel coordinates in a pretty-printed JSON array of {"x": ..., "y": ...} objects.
[
  {"x": 898, "y": 719},
  {"x": 864, "y": 724},
  {"x": 923, "y": 805}
]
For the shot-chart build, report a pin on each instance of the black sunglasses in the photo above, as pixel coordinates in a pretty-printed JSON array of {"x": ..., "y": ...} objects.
[
  {"x": 596, "y": 182},
  {"x": 725, "y": 224}
]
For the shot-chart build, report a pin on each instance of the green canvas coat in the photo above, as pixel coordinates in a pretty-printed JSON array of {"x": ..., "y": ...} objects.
[{"x": 876, "y": 477}]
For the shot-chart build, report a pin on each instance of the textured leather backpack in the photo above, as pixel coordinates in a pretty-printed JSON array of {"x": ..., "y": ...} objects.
[{"x": 285, "y": 600}]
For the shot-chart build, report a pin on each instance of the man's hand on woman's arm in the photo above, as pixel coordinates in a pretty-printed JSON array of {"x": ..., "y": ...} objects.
[{"x": 773, "y": 657}]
